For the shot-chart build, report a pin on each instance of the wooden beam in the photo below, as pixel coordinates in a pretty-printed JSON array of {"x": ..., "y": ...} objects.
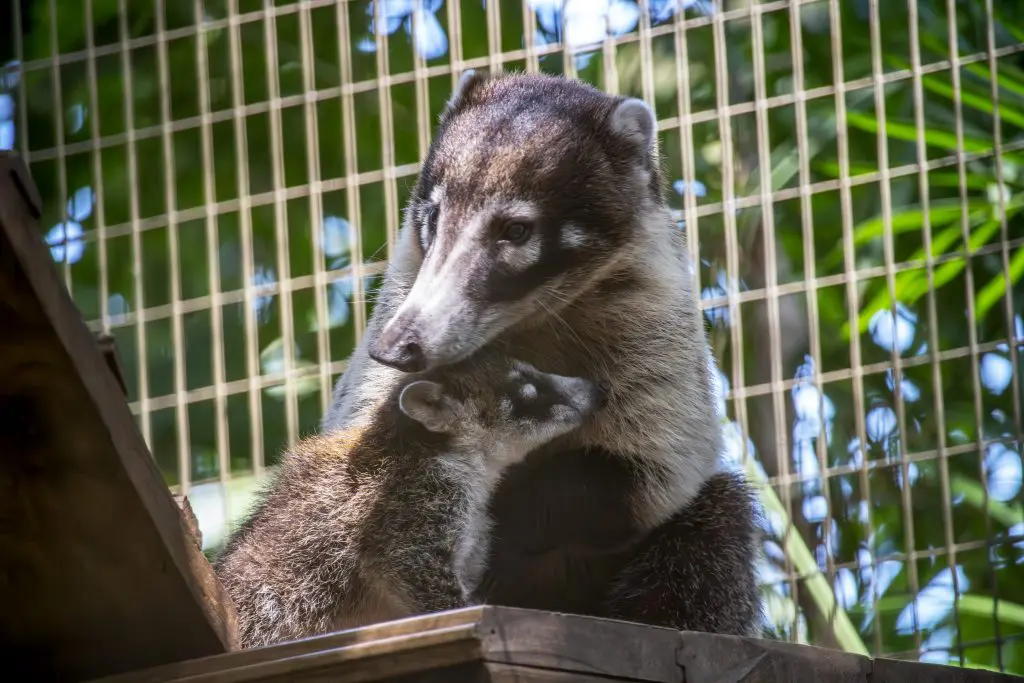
[
  {"x": 709, "y": 658},
  {"x": 99, "y": 571},
  {"x": 490, "y": 644}
]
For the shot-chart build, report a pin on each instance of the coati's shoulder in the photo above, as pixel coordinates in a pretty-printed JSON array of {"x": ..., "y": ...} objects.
[{"x": 328, "y": 446}]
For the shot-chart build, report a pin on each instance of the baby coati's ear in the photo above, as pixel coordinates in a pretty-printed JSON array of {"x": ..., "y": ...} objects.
[
  {"x": 427, "y": 403},
  {"x": 633, "y": 121}
]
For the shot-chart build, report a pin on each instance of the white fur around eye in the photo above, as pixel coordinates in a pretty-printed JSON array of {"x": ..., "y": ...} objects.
[
  {"x": 572, "y": 237},
  {"x": 528, "y": 392},
  {"x": 519, "y": 257}
]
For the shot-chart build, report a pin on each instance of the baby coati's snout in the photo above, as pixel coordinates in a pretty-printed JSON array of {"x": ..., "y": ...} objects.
[
  {"x": 566, "y": 399},
  {"x": 587, "y": 396}
]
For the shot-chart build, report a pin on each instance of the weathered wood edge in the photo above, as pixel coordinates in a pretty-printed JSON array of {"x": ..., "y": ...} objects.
[
  {"x": 456, "y": 632},
  {"x": 535, "y": 640},
  {"x": 108, "y": 349},
  {"x": 568, "y": 642},
  {"x": 487, "y": 634},
  {"x": 82, "y": 350},
  {"x": 711, "y": 658},
  {"x": 191, "y": 521}
]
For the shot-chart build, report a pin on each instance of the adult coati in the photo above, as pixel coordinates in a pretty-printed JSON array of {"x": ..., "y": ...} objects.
[
  {"x": 538, "y": 227},
  {"x": 390, "y": 520}
]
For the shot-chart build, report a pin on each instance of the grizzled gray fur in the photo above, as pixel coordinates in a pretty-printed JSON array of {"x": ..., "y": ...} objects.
[
  {"x": 389, "y": 520},
  {"x": 538, "y": 228}
]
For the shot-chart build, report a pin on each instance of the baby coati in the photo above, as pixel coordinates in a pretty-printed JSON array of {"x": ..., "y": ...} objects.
[
  {"x": 389, "y": 520},
  {"x": 538, "y": 227}
]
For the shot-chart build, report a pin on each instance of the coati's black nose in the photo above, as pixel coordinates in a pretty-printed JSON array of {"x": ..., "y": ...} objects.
[
  {"x": 399, "y": 349},
  {"x": 604, "y": 390}
]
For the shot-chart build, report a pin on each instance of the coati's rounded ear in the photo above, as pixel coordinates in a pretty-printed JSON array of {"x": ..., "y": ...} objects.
[
  {"x": 469, "y": 79},
  {"x": 426, "y": 403},
  {"x": 633, "y": 120}
]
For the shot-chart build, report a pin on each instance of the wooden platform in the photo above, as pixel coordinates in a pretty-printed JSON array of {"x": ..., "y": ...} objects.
[{"x": 525, "y": 646}]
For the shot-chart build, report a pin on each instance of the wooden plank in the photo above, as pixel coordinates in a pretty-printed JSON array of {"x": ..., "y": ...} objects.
[
  {"x": 481, "y": 644},
  {"x": 708, "y": 658},
  {"x": 503, "y": 636},
  {"x": 564, "y": 642},
  {"x": 372, "y": 653},
  {"x": 99, "y": 571},
  {"x": 510, "y": 673}
]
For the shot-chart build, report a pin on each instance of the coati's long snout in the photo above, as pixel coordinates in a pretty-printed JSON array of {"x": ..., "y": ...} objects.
[
  {"x": 399, "y": 346},
  {"x": 437, "y": 325}
]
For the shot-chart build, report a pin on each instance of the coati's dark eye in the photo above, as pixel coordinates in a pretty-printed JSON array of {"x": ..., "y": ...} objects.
[
  {"x": 430, "y": 225},
  {"x": 514, "y": 231}
]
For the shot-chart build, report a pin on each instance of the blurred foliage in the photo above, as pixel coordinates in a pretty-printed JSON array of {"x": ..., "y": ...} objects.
[{"x": 862, "y": 516}]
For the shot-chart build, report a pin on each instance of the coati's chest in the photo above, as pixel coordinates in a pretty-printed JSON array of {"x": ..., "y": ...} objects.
[{"x": 562, "y": 531}]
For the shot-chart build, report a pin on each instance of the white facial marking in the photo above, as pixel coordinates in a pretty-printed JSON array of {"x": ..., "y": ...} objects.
[
  {"x": 435, "y": 199},
  {"x": 521, "y": 256},
  {"x": 437, "y": 295},
  {"x": 528, "y": 392},
  {"x": 572, "y": 236},
  {"x": 518, "y": 208}
]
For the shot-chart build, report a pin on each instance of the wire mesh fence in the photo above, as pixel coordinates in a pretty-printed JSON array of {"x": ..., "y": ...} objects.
[{"x": 223, "y": 180}]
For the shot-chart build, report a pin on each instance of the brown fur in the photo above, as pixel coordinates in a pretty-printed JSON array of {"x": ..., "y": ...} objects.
[
  {"x": 702, "y": 558},
  {"x": 389, "y": 520},
  {"x": 349, "y": 514}
]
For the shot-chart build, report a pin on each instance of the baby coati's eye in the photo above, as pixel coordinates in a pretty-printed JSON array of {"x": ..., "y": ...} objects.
[{"x": 514, "y": 232}]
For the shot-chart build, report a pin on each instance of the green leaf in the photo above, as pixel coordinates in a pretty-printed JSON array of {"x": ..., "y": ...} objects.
[
  {"x": 986, "y": 607},
  {"x": 1003, "y": 77},
  {"x": 908, "y": 131},
  {"x": 1008, "y": 77},
  {"x": 976, "y": 179},
  {"x": 831, "y": 168},
  {"x": 973, "y": 494},
  {"x": 785, "y": 159},
  {"x": 1009, "y": 26},
  {"x": 806, "y": 565},
  {"x": 991, "y": 293},
  {"x": 981, "y": 102},
  {"x": 911, "y": 285},
  {"x": 911, "y": 218}
]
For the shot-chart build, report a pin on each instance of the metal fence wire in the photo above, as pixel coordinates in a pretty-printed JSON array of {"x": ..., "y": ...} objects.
[{"x": 224, "y": 179}]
